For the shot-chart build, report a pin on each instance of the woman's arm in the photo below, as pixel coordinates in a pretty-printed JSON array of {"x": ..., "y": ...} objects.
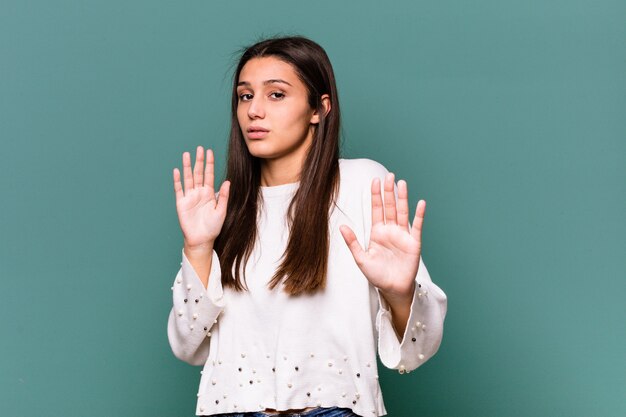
[
  {"x": 200, "y": 259},
  {"x": 422, "y": 336},
  {"x": 197, "y": 289},
  {"x": 391, "y": 260},
  {"x": 195, "y": 310},
  {"x": 400, "y": 308},
  {"x": 411, "y": 308},
  {"x": 201, "y": 212}
]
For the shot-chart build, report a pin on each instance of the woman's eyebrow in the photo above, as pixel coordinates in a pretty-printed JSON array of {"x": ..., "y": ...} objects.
[{"x": 266, "y": 82}]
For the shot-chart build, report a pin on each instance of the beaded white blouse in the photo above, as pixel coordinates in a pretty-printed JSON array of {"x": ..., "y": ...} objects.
[{"x": 264, "y": 349}]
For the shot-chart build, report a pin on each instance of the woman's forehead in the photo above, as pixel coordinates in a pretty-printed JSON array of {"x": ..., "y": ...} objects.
[{"x": 266, "y": 69}]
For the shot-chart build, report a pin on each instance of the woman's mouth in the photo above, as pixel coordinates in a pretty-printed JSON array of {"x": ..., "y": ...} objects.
[{"x": 257, "y": 132}]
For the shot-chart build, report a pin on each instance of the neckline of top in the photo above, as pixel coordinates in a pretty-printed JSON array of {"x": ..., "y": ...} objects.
[
  {"x": 279, "y": 190},
  {"x": 283, "y": 189}
]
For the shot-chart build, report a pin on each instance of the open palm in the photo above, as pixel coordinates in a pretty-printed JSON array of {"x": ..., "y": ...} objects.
[
  {"x": 393, "y": 254},
  {"x": 200, "y": 214}
]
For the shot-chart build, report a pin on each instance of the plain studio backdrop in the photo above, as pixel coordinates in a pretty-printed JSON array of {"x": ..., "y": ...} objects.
[{"x": 507, "y": 117}]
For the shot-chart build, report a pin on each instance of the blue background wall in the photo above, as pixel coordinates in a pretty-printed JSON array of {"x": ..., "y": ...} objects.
[{"x": 507, "y": 117}]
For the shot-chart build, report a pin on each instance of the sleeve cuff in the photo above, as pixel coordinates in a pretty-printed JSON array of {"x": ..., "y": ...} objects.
[
  {"x": 195, "y": 311},
  {"x": 424, "y": 329}
]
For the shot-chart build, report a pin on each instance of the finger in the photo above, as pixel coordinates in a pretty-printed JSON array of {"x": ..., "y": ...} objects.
[
  {"x": 209, "y": 173},
  {"x": 178, "y": 187},
  {"x": 390, "y": 200},
  {"x": 377, "y": 203},
  {"x": 198, "y": 168},
  {"x": 187, "y": 177},
  {"x": 353, "y": 244},
  {"x": 403, "y": 205},
  {"x": 418, "y": 220},
  {"x": 222, "y": 198}
]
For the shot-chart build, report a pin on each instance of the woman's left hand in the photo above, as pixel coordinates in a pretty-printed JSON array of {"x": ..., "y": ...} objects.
[{"x": 393, "y": 254}]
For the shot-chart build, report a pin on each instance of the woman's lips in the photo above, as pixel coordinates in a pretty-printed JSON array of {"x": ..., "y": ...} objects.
[{"x": 257, "y": 133}]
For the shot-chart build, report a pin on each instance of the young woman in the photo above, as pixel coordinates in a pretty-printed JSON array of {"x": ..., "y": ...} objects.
[{"x": 304, "y": 265}]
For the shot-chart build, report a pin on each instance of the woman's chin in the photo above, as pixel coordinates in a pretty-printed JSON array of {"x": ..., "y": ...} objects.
[{"x": 258, "y": 150}]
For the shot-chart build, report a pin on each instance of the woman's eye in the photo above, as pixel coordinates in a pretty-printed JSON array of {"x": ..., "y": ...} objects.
[
  {"x": 245, "y": 97},
  {"x": 277, "y": 95}
]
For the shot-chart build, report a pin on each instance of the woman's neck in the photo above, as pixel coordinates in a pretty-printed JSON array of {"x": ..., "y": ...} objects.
[
  {"x": 279, "y": 172},
  {"x": 283, "y": 170}
]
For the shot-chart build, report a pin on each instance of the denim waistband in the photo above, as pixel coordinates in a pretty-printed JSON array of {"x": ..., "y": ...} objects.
[{"x": 316, "y": 412}]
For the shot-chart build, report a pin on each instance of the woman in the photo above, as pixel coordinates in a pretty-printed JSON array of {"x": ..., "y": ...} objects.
[{"x": 301, "y": 268}]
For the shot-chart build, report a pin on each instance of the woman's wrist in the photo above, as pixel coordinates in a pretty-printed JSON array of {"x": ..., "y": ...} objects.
[
  {"x": 399, "y": 296},
  {"x": 201, "y": 250}
]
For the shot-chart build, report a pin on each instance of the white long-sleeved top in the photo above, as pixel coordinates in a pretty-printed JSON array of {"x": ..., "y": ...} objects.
[{"x": 263, "y": 349}]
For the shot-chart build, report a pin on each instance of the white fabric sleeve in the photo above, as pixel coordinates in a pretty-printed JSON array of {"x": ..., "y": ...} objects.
[
  {"x": 424, "y": 329},
  {"x": 194, "y": 312}
]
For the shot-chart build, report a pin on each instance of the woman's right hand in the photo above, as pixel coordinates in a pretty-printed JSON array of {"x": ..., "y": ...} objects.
[{"x": 200, "y": 214}]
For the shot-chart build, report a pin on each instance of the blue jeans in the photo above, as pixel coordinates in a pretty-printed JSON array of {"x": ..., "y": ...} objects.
[{"x": 317, "y": 412}]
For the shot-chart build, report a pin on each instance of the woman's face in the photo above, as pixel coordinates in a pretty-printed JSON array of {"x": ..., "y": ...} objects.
[{"x": 273, "y": 110}]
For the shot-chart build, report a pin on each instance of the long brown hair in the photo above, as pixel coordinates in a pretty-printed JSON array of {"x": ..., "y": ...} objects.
[{"x": 305, "y": 261}]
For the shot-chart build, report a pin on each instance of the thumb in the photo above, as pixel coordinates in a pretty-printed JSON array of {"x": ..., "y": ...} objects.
[
  {"x": 222, "y": 199},
  {"x": 353, "y": 244}
]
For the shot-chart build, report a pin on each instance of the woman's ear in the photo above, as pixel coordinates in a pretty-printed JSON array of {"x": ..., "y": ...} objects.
[{"x": 315, "y": 118}]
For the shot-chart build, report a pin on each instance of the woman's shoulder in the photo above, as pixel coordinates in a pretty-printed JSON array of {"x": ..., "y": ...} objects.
[{"x": 361, "y": 169}]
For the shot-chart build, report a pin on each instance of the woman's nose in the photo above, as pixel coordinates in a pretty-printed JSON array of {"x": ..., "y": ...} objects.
[{"x": 255, "y": 109}]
